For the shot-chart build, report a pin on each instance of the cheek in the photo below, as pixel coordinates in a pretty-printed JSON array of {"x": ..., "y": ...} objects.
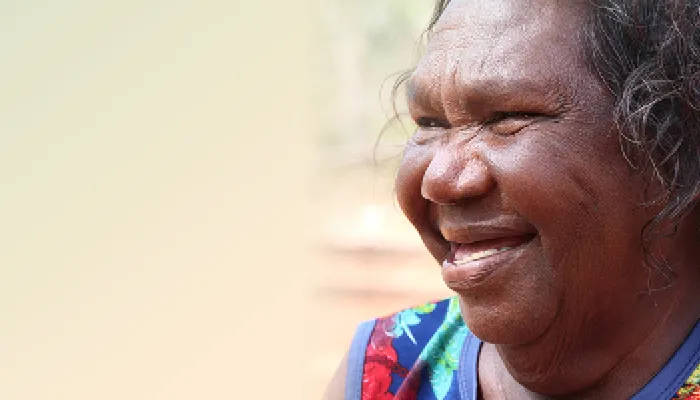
[
  {"x": 584, "y": 201},
  {"x": 409, "y": 180},
  {"x": 542, "y": 183},
  {"x": 417, "y": 209},
  {"x": 570, "y": 174}
]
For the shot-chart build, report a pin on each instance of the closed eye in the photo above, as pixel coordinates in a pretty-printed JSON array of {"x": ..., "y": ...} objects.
[
  {"x": 429, "y": 122},
  {"x": 429, "y": 129},
  {"x": 500, "y": 116},
  {"x": 510, "y": 123}
]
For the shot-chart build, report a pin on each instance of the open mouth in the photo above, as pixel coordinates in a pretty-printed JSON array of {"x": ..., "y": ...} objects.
[{"x": 461, "y": 254}]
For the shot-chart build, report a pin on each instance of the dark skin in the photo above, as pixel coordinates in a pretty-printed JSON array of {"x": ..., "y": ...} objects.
[{"x": 516, "y": 140}]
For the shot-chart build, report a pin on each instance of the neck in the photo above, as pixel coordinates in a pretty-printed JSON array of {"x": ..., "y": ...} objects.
[{"x": 604, "y": 359}]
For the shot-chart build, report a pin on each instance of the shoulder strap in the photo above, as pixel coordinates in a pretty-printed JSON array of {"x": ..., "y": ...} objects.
[{"x": 356, "y": 360}]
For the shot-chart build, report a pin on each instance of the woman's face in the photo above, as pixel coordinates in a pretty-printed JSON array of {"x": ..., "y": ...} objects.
[{"x": 515, "y": 179}]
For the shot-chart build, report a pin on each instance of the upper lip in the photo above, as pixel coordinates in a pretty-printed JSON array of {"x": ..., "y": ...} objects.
[{"x": 468, "y": 232}]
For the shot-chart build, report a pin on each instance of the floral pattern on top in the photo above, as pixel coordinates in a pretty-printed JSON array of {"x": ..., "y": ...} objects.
[{"x": 691, "y": 388}]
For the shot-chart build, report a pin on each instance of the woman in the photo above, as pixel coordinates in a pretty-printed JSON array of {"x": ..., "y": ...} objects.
[{"x": 554, "y": 176}]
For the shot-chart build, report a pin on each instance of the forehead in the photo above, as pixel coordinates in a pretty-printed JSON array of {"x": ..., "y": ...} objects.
[{"x": 497, "y": 43}]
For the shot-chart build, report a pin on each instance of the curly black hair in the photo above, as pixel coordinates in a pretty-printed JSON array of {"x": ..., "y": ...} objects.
[{"x": 648, "y": 53}]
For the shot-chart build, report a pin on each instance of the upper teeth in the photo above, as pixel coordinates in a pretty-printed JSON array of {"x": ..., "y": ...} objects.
[{"x": 480, "y": 254}]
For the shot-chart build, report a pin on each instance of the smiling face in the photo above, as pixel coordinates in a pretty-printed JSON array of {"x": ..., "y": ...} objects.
[{"x": 515, "y": 179}]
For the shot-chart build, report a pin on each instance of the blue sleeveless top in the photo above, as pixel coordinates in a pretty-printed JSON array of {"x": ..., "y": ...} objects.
[{"x": 428, "y": 353}]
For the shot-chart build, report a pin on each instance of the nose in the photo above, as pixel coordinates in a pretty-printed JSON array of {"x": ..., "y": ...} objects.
[{"x": 454, "y": 174}]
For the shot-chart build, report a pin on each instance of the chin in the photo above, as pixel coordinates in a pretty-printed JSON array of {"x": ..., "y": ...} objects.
[
  {"x": 510, "y": 298},
  {"x": 515, "y": 318}
]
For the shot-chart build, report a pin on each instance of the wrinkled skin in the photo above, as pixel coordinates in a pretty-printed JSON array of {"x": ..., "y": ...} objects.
[{"x": 516, "y": 134}]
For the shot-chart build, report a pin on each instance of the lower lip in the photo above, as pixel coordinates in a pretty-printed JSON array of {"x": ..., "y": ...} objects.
[{"x": 464, "y": 277}]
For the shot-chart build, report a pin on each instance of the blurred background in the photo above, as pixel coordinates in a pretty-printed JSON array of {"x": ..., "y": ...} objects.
[
  {"x": 197, "y": 196},
  {"x": 372, "y": 261}
]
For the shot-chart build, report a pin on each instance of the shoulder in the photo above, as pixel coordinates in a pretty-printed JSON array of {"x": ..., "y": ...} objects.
[{"x": 387, "y": 351}]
